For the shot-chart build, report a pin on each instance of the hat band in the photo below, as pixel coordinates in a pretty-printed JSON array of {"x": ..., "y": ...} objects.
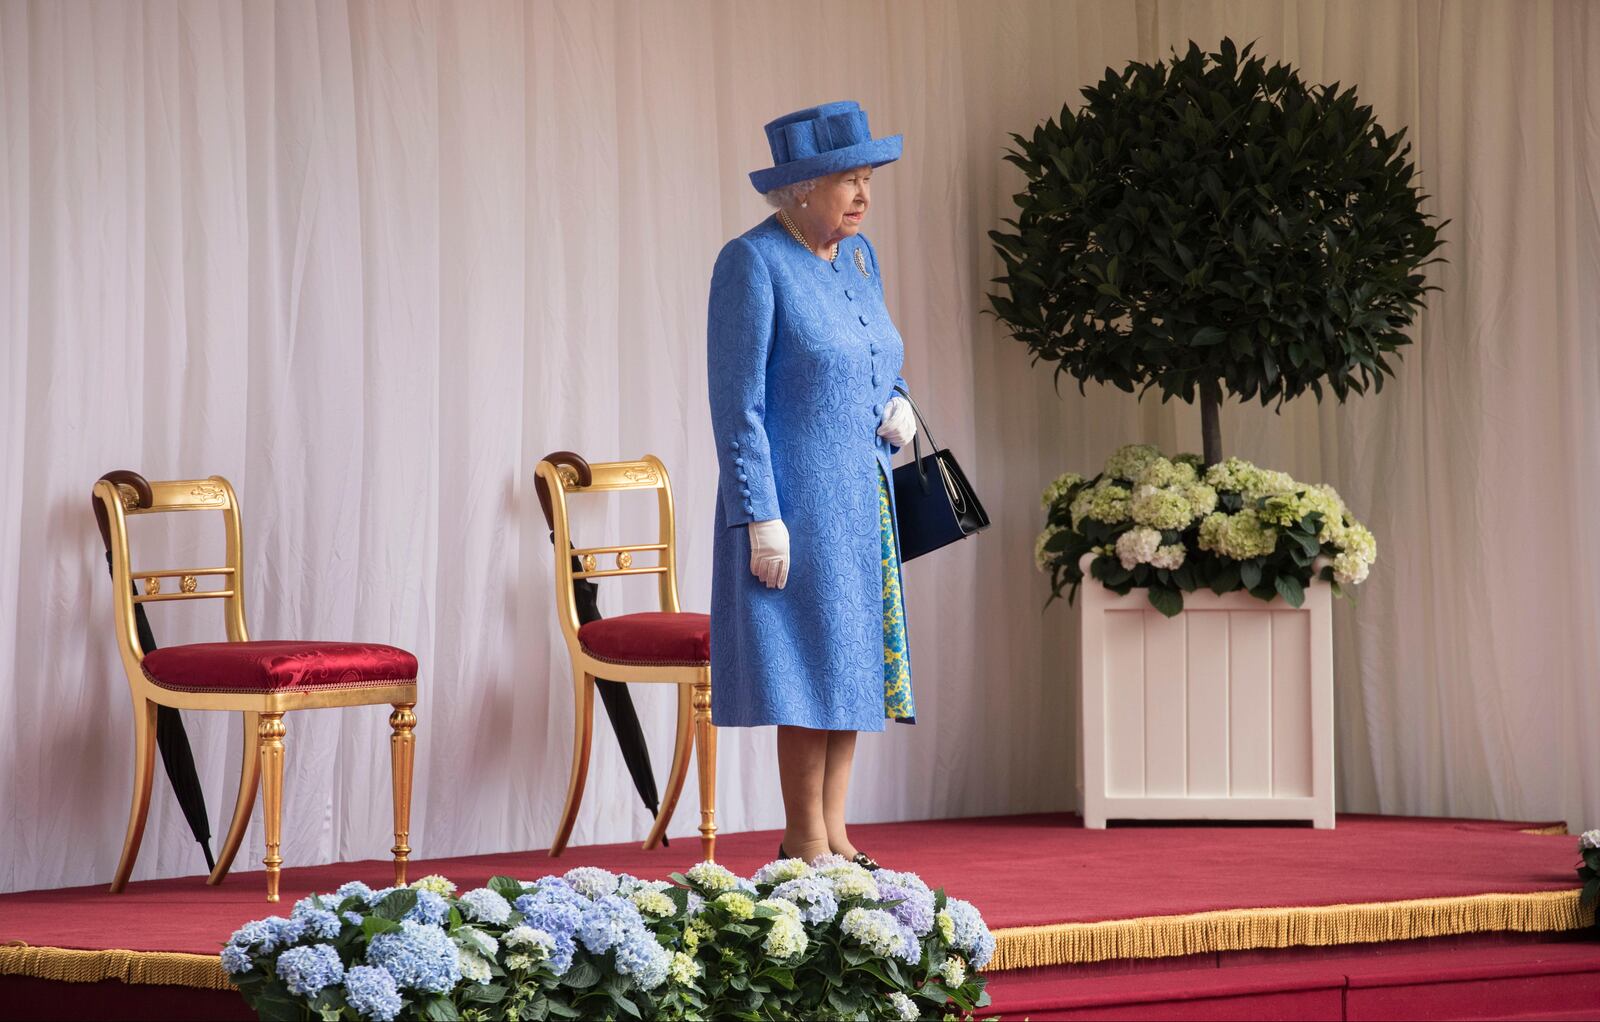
[{"x": 804, "y": 139}]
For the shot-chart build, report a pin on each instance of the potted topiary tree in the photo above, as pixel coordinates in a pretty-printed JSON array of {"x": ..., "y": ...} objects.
[{"x": 1208, "y": 226}]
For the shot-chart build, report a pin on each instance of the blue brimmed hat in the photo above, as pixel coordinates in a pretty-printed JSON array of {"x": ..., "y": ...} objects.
[{"x": 822, "y": 140}]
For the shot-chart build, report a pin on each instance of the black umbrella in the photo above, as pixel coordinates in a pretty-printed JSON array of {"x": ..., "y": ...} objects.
[
  {"x": 171, "y": 738},
  {"x": 614, "y": 695}
]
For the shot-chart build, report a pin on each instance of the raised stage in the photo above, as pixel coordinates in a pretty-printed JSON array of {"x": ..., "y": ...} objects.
[{"x": 1381, "y": 917}]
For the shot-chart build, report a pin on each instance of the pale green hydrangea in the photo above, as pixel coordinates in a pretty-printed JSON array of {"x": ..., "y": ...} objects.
[
  {"x": 1160, "y": 508},
  {"x": 1240, "y": 536},
  {"x": 1059, "y": 487},
  {"x": 954, "y": 971},
  {"x": 1202, "y": 499},
  {"x": 1162, "y": 472},
  {"x": 653, "y": 903},
  {"x": 1105, "y": 501},
  {"x": 947, "y": 926},
  {"x": 1137, "y": 546},
  {"x": 782, "y": 906},
  {"x": 1235, "y": 475},
  {"x": 851, "y": 881},
  {"x": 737, "y": 904},
  {"x": 1350, "y": 569},
  {"x": 786, "y": 939},
  {"x": 683, "y": 969},
  {"x": 435, "y": 883},
  {"x": 1042, "y": 558},
  {"x": 1129, "y": 461},
  {"x": 712, "y": 877}
]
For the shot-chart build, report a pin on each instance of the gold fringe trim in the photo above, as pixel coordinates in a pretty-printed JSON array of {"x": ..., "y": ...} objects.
[
  {"x": 157, "y": 968},
  {"x": 1018, "y": 947},
  {"x": 1025, "y": 947},
  {"x": 1555, "y": 829}
]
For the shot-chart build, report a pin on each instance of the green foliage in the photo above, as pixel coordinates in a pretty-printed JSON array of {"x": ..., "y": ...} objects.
[{"x": 1210, "y": 218}]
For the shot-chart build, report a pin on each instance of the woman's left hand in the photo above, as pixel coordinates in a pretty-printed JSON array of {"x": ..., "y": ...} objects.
[{"x": 899, "y": 424}]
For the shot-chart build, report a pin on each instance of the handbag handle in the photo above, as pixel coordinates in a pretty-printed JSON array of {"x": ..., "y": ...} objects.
[{"x": 916, "y": 439}]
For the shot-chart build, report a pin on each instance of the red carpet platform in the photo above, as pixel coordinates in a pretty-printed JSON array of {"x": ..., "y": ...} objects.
[{"x": 1089, "y": 923}]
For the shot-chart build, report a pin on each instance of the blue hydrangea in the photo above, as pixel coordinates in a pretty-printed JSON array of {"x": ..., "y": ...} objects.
[
  {"x": 306, "y": 970},
  {"x": 270, "y": 934},
  {"x": 372, "y": 993},
  {"x": 592, "y": 881},
  {"x": 695, "y": 904},
  {"x": 641, "y": 958},
  {"x": 353, "y": 918},
  {"x": 607, "y": 922},
  {"x": 430, "y": 909},
  {"x": 236, "y": 960},
  {"x": 814, "y": 895},
  {"x": 485, "y": 906},
  {"x": 915, "y": 910},
  {"x": 552, "y": 909},
  {"x": 354, "y": 888},
  {"x": 972, "y": 935},
  {"x": 418, "y": 956},
  {"x": 910, "y": 950},
  {"x": 373, "y": 897},
  {"x": 318, "y": 922}
]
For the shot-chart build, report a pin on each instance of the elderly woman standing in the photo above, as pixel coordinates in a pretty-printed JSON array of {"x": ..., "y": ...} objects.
[{"x": 807, "y": 621}]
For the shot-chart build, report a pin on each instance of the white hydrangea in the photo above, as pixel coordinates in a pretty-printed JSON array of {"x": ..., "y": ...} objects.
[
  {"x": 653, "y": 903},
  {"x": 1059, "y": 487},
  {"x": 1350, "y": 569},
  {"x": 1137, "y": 546},
  {"x": 1589, "y": 839},
  {"x": 1041, "y": 560},
  {"x": 1160, "y": 508},
  {"x": 904, "y": 1007},
  {"x": 713, "y": 877},
  {"x": 781, "y": 871},
  {"x": 851, "y": 881},
  {"x": 786, "y": 939},
  {"x": 1169, "y": 557},
  {"x": 684, "y": 969},
  {"x": 474, "y": 968},
  {"x": 954, "y": 971},
  {"x": 1131, "y": 460}
]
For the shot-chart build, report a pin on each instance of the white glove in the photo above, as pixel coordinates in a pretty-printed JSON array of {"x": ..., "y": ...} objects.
[
  {"x": 769, "y": 552},
  {"x": 899, "y": 422}
]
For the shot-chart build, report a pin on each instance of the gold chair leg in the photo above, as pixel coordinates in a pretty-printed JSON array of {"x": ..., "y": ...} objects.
[
  {"x": 583, "y": 737},
  {"x": 271, "y": 732},
  {"x": 706, "y": 759},
  {"x": 680, "y": 767},
  {"x": 144, "y": 766},
  {"x": 249, "y": 781},
  {"x": 402, "y": 754}
]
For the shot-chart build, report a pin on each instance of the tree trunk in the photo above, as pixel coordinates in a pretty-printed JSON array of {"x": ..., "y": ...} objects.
[{"x": 1210, "y": 423}]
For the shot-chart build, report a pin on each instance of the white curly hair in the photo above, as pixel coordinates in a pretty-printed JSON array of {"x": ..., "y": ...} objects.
[{"x": 790, "y": 195}]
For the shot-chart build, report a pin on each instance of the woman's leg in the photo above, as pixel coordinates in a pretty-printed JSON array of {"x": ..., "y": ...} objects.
[
  {"x": 803, "y": 755},
  {"x": 836, "y": 788}
]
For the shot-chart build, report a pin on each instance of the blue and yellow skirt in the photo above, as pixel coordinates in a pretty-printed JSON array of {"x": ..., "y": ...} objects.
[{"x": 897, "y": 701}]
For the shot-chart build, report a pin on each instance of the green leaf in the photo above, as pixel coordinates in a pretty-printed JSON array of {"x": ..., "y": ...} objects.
[
  {"x": 1290, "y": 589},
  {"x": 371, "y": 926},
  {"x": 439, "y": 1009},
  {"x": 1226, "y": 579},
  {"x": 1168, "y": 601},
  {"x": 507, "y": 887},
  {"x": 581, "y": 975},
  {"x": 396, "y": 904},
  {"x": 1250, "y": 574}
]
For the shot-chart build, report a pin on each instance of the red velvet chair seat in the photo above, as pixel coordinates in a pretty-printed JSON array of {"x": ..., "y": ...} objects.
[
  {"x": 276, "y": 666},
  {"x": 653, "y": 637}
]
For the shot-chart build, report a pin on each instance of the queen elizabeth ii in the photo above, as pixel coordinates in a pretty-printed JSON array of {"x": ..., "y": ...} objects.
[{"x": 807, "y": 620}]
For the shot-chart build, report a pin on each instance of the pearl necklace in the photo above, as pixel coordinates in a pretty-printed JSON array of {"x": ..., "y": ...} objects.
[{"x": 783, "y": 218}]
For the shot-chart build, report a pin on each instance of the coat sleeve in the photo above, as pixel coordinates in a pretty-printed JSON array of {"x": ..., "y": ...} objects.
[{"x": 739, "y": 332}]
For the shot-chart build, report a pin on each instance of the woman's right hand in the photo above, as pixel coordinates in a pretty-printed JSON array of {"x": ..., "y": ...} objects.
[{"x": 769, "y": 552}]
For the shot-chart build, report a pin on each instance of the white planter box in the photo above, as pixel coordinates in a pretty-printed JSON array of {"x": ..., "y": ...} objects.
[{"x": 1224, "y": 712}]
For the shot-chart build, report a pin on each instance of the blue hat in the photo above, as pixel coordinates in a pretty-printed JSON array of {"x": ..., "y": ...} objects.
[{"x": 822, "y": 140}]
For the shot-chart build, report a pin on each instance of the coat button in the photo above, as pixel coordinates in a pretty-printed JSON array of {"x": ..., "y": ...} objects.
[
  {"x": 738, "y": 461},
  {"x": 877, "y": 410},
  {"x": 872, "y": 349},
  {"x": 875, "y": 381},
  {"x": 733, "y": 445},
  {"x": 743, "y": 477}
]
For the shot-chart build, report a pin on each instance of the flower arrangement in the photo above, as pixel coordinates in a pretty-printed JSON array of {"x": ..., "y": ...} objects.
[
  {"x": 825, "y": 939},
  {"x": 1589, "y": 868},
  {"x": 1169, "y": 526}
]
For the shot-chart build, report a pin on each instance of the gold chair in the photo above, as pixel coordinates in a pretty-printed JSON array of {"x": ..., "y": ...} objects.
[
  {"x": 667, "y": 646},
  {"x": 261, "y": 680}
]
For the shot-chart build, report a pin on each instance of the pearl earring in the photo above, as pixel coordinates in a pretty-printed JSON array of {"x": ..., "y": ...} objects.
[{"x": 805, "y": 205}]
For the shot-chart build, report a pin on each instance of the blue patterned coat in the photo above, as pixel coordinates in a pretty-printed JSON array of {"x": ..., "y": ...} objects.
[{"x": 802, "y": 359}]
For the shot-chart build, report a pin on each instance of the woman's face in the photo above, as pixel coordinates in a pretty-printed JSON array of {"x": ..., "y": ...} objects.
[{"x": 837, "y": 206}]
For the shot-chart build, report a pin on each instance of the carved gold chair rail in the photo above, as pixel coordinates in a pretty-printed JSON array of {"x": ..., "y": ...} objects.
[
  {"x": 563, "y": 475},
  {"x": 121, "y": 495}
]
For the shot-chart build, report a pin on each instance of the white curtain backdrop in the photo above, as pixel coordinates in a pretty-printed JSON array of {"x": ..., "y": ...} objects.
[{"x": 371, "y": 260}]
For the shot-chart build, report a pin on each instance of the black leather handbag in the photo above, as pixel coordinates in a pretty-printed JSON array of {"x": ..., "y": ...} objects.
[{"x": 934, "y": 503}]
